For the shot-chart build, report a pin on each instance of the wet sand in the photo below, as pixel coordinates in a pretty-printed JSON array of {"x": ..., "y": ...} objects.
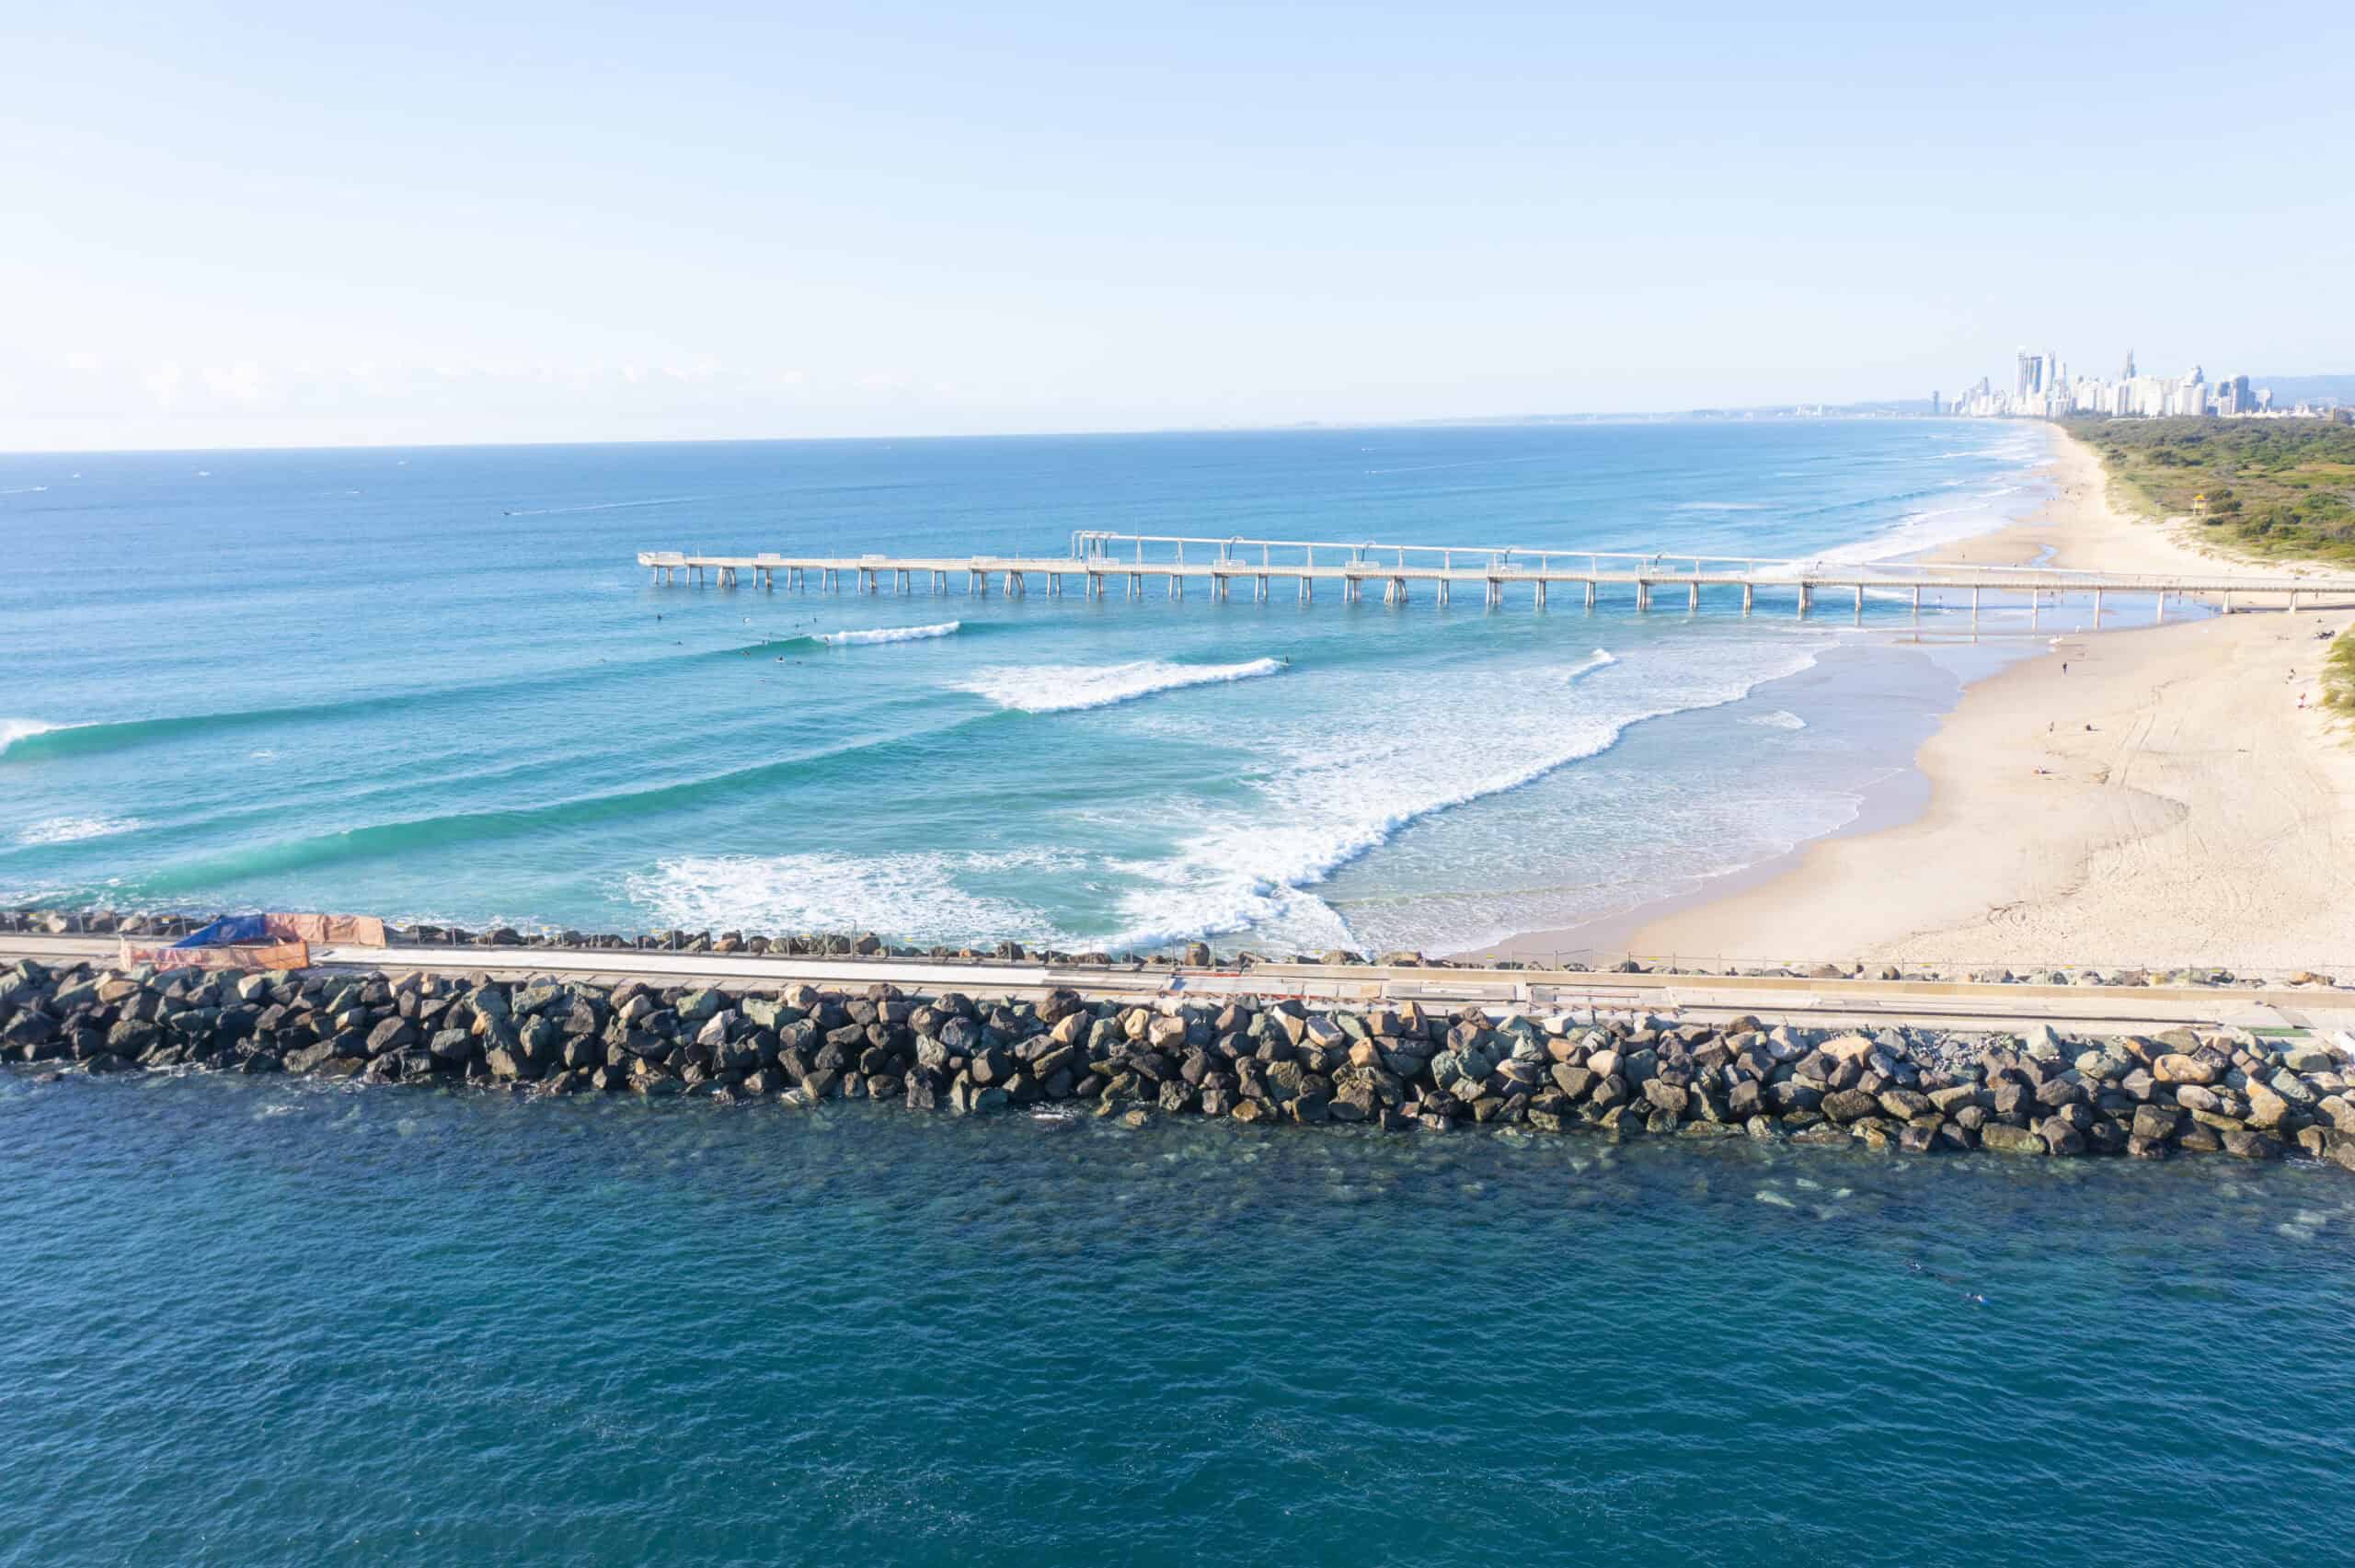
[{"x": 2161, "y": 800}]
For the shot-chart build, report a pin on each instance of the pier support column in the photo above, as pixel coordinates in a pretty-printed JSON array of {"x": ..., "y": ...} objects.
[
  {"x": 1749, "y": 591},
  {"x": 1177, "y": 585},
  {"x": 2228, "y": 601},
  {"x": 1974, "y": 607},
  {"x": 1917, "y": 604},
  {"x": 1860, "y": 604},
  {"x": 1693, "y": 601},
  {"x": 1590, "y": 593},
  {"x": 2293, "y": 601},
  {"x": 1807, "y": 599},
  {"x": 1260, "y": 592},
  {"x": 1442, "y": 592},
  {"x": 1643, "y": 594},
  {"x": 1308, "y": 589},
  {"x": 2097, "y": 609},
  {"x": 2159, "y": 609},
  {"x": 1540, "y": 601}
]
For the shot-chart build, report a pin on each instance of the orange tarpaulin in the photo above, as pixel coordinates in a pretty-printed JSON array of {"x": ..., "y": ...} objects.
[
  {"x": 245, "y": 956},
  {"x": 361, "y": 931}
]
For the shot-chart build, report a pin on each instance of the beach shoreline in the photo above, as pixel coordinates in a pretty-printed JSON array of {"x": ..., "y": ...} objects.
[{"x": 2135, "y": 797}]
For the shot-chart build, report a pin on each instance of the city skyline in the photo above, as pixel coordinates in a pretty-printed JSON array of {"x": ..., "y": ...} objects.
[{"x": 2043, "y": 387}]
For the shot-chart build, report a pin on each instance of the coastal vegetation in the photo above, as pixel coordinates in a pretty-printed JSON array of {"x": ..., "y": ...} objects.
[
  {"x": 2279, "y": 488},
  {"x": 2339, "y": 673}
]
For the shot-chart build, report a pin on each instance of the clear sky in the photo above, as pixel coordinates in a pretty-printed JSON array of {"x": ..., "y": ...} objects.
[{"x": 247, "y": 225}]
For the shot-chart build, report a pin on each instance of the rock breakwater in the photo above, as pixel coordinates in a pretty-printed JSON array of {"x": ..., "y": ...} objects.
[{"x": 1250, "y": 1060}]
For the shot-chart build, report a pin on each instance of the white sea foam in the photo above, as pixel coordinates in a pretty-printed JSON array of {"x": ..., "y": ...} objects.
[
  {"x": 915, "y": 898},
  {"x": 1061, "y": 688},
  {"x": 890, "y": 635},
  {"x": 72, "y": 830},
  {"x": 605, "y": 506},
  {"x": 1601, "y": 659},
  {"x": 15, "y": 730},
  {"x": 1344, "y": 785},
  {"x": 1779, "y": 719},
  {"x": 1720, "y": 506},
  {"x": 1924, "y": 529}
]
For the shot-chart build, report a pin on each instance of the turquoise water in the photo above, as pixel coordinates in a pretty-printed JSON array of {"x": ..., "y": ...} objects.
[
  {"x": 433, "y": 684},
  {"x": 284, "y": 1323}
]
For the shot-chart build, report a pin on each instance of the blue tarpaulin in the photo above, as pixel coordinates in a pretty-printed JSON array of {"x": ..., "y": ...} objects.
[{"x": 229, "y": 929}]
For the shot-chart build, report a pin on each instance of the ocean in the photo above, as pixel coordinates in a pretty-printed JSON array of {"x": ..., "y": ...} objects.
[
  {"x": 261, "y": 1321},
  {"x": 433, "y": 684},
  {"x": 287, "y": 1321}
]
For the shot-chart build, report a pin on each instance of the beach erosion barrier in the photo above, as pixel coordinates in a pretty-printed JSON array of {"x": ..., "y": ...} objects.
[{"x": 1391, "y": 1068}]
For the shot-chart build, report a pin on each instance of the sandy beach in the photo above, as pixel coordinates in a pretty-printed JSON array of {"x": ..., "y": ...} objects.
[{"x": 2144, "y": 797}]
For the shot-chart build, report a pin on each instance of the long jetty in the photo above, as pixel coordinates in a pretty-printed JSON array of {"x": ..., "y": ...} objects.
[{"x": 1100, "y": 561}]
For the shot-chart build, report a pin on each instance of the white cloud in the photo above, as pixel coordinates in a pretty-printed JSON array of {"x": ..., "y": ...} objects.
[
  {"x": 85, "y": 362},
  {"x": 163, "y": 382},
  {"x": 241, "y": 382}
]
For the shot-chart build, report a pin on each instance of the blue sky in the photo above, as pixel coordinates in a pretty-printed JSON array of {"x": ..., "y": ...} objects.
[{"x": 273, "y": 224}]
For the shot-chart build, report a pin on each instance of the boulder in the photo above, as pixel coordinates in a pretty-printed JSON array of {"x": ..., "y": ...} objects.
[
  {"x": 2177, "y": 1068},
  {"x": 2004, "y": 1138},
  {"x": 1666, "y": 1097},
  {"x": 1846, "y": 1106},
  {"x": 2265, "y": 1108},
  {"x": 2248, "y": 1144}
]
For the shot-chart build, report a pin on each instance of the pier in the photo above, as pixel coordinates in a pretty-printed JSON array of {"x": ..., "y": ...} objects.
[{"x": 1137, "y": 565}]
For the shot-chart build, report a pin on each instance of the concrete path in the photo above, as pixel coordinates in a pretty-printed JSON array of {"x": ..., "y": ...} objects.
[{"x": 1694, "y": 997}]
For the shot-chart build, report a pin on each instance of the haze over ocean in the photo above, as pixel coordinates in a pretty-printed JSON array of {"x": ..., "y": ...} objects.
[{"x": 432, "y": 684}]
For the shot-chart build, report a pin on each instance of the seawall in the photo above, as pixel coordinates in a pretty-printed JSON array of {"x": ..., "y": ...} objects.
[{"x": 1252, "y": 1059}]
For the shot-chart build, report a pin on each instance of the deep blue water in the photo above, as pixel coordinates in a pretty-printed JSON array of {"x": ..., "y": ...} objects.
[
  {"x": 433, "y": 684},
  {"x": 288, "y": 1323}
]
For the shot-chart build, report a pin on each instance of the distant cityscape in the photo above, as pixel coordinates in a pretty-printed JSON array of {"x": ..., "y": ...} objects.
[{"x": 2043, "y": 388}]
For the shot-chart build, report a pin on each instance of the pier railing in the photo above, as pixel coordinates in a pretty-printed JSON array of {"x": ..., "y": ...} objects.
[
  {"x": 1100, "y": 561},
  {"x": 1243, "y": 553}
]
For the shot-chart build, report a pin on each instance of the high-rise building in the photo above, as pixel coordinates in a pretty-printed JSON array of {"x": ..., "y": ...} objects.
[
  {"x": 1934, "y": 402},
  {"x": 2128, "y": 373}
]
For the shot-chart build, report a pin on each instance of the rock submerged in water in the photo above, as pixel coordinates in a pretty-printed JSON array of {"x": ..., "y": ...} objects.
[{"x": 1391, "y": 1067}]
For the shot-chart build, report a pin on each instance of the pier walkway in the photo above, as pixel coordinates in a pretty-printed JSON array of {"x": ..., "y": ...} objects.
[{"x": 1099, "y": 563}]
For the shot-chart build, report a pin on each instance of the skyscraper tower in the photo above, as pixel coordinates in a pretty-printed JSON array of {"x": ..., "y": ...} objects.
[{"x": 2128, "y": 373}]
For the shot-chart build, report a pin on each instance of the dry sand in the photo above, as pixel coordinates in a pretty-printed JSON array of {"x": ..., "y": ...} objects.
[{"x": 2163, "y": 802}]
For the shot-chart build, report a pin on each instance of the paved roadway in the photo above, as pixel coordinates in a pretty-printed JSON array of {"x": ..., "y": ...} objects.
[{"x": 1697, "y": 997}]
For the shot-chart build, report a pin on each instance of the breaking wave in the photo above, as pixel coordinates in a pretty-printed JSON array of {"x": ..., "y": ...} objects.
[
  {"x": 1062, "y": 688},
  {"x": 72, "y": 830},
  {"x": 888, "y": 635}
]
